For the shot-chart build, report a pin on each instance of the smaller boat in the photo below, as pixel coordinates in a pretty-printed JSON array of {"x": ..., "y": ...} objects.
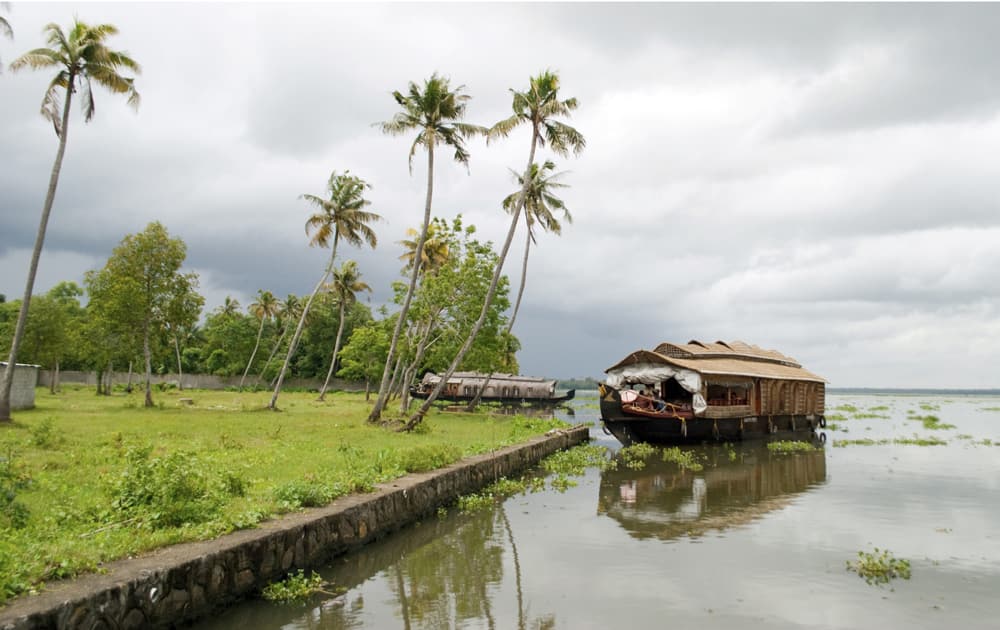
[
  {"x": 508, "y": 389},
  {"x": 714, "y": 392}
]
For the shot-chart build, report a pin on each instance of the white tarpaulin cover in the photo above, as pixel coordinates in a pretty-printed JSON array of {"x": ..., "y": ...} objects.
[{"x": 652, "y": 374}]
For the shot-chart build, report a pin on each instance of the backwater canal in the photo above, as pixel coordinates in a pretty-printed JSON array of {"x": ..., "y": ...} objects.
[{"x": 755, "y": 539}]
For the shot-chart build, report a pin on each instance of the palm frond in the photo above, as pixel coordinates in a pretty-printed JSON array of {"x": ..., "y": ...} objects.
[{"x": 36, "y": 59}]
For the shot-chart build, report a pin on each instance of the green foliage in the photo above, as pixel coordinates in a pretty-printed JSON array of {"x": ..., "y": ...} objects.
[
  {"x": 879, "y": 567},
  {"x": 307, "y": 492},
  {"x": 790, "y": 446},
  {"x": 933, "y": 423},
  {"x": 43, "y": 434},
  {"x": 169, "y": 491},
  {"x": 13, "y": 479},
  {"x": 635, "y": 455},
  {"x": 295, "y": 588},
  {"x": 848, "y": 408},
  {"x": 429, "y": 457},
  {"x": 576, "y": 460},
  {"x": 683, "y": 458}
]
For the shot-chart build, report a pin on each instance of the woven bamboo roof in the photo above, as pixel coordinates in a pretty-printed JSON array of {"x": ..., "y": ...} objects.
[{"x": 734, "y": 358}]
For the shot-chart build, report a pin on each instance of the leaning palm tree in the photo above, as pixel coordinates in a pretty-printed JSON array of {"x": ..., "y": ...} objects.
[
  {"x": 540, "y": 203},
  {"x": 344, "y": 288},
  {"x": 80, "y": 57},
  {"x": 538, "y": 107},
  {"x": 263, "y": 309},
  {"x": 288, "y": 312},
  {"x": 434, "y": 112},
  {"x": 342, "y": 216}
]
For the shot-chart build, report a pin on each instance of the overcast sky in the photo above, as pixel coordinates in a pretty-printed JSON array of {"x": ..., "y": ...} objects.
[{"x": 817, "y": 179}]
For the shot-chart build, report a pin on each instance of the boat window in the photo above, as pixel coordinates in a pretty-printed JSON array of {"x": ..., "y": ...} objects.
[{"x": 729, "y": 394}]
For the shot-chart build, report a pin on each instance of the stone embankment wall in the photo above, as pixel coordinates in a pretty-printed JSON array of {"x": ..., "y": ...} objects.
[
  {"x": 179, "y": 584},
  {"x": 193, "y": 381}
]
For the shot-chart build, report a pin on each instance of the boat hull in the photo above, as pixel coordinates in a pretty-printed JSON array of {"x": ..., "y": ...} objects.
[
  {"x": 629, "y": 429},
  {"x": 552, "y": 400}
]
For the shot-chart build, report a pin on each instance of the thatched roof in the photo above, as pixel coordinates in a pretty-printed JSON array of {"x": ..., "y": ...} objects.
[{"x": 734, "y": 358}]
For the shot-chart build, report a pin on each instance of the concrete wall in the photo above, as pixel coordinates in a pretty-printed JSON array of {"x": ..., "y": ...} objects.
[
  {"x": 22, "y": 394},
  {"x": 192, "y": 381},
  {"x": 179, "y": 584}
]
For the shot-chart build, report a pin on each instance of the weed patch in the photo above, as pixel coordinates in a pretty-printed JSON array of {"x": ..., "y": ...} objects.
[
  {"x": 790, "y": 446},
  {"x": 879, "y": 567}
]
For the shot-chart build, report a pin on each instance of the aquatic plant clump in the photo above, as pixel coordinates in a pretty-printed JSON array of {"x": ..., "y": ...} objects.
[
  {"x": 790, "y": 446},
  {"x": 932, "y": 422},
  {"x": 296, "y": 588},
  {"x": 879, "y": 567},
  {"x": 685, "y": 459}
]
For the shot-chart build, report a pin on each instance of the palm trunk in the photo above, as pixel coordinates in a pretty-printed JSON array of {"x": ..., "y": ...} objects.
[
  {"x": 293, "y": 344},
  {"x": 260, "y": 331},
  {"x": 180, "y": 372},
  {"x": 395, "y": 376},
  {"x": 418, "y": 417},
  {"x": 22, "y": 318},
  {"x": 383, "y": 389},
  {"x": 148, "y": 357},
  {"x": 510, "y": 324},
  {"x": 128, "y": 380},
  {"x": 336, "y": 350},
  {"x": 274, "y": 350},
  {"x": 99, "y": 373}
]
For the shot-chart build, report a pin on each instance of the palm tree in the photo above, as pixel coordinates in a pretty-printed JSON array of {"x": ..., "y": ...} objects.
[
  {"x": 81, "y": 57},
  {"x": 5, "y": 27},
  {"x": 538, "y": 107},
  {"x": 539, "y": 204},
  {"x": 345, "y": 286},
  {"x": 263, "y": 309},
  {"x": 288, "y": 312},
  {"x": 342, "y": 216},
  {"x": 434, "y": 112},
  {"x": 435, "y": 252},
  {"x": 229, "y": 307}
]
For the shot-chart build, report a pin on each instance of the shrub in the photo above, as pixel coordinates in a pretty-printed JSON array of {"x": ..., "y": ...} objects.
[
  {"x": 168, "y": 491},
  {"x": 13, "y": 479},
  {"x": 43, "y": 434},
  {"x": 425, "y": 458},
  {"x": 308, "y": 492},
  {"x": 295, "y": 588}
]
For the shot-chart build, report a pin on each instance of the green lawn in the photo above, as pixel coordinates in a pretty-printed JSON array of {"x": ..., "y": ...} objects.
[{"x": 86, "y": 479}]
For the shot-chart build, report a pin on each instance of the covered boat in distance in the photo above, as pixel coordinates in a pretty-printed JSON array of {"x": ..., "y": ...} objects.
[
  {"x": 502, "y": 388},
  {"x": 703, "y": 392}
]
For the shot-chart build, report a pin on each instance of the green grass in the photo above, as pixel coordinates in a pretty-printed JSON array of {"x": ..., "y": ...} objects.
[{"x": 91, "y": 478}]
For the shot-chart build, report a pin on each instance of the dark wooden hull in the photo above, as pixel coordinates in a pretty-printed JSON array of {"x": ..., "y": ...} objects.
[
  {"x": 629, "y": 428},
  {"x": 504, "y": 400}
]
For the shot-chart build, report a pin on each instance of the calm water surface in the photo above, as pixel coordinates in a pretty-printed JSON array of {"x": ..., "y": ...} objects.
[{"x": 755, "y": 540}]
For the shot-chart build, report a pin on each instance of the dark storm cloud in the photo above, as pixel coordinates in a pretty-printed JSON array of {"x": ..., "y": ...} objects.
[{"x": 816, "y": 178}]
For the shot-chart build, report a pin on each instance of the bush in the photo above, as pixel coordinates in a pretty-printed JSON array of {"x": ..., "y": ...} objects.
[
  {"x": 43, "y": 434},
  {"x": 168, "y": 491},
  {"x": 13, "y": 478},
  {"x": 308, "y": 492},
  {"x": 425, "y": 458}
]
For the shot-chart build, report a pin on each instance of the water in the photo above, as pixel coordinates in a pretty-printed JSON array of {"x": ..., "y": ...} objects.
[{"x": 754, "y": 540}]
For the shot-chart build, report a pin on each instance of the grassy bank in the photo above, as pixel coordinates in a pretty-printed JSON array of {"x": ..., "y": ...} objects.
[{"x": 85, "y": 479}]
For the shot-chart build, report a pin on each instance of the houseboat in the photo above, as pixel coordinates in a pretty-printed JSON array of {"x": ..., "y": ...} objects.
[
  {"x": 705, "y": 392},
  {"x": 502, "y": 388}
]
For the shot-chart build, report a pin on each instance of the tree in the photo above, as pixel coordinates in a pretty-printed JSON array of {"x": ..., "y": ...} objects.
[
  {"x": 537, "y": 107},
  {"x": 435, "y": 113},
  {"x": 345, "y": 287},
  {"x": 6, "y": 30},
  {"x": 263, "y": 309},
  {"x": 364, "y": 353},
  {"x": 342, "y": 216},
  {"x": 138, "y": 286},
  {"x": 288, "y": 312},
  {"x": 80, "y": 57},
  {"x": 182, "y": 316},
  {"x": 540, "y": 203}
]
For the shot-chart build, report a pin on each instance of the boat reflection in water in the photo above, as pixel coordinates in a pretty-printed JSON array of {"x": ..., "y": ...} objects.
[{"x": 737, "y": 485}]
